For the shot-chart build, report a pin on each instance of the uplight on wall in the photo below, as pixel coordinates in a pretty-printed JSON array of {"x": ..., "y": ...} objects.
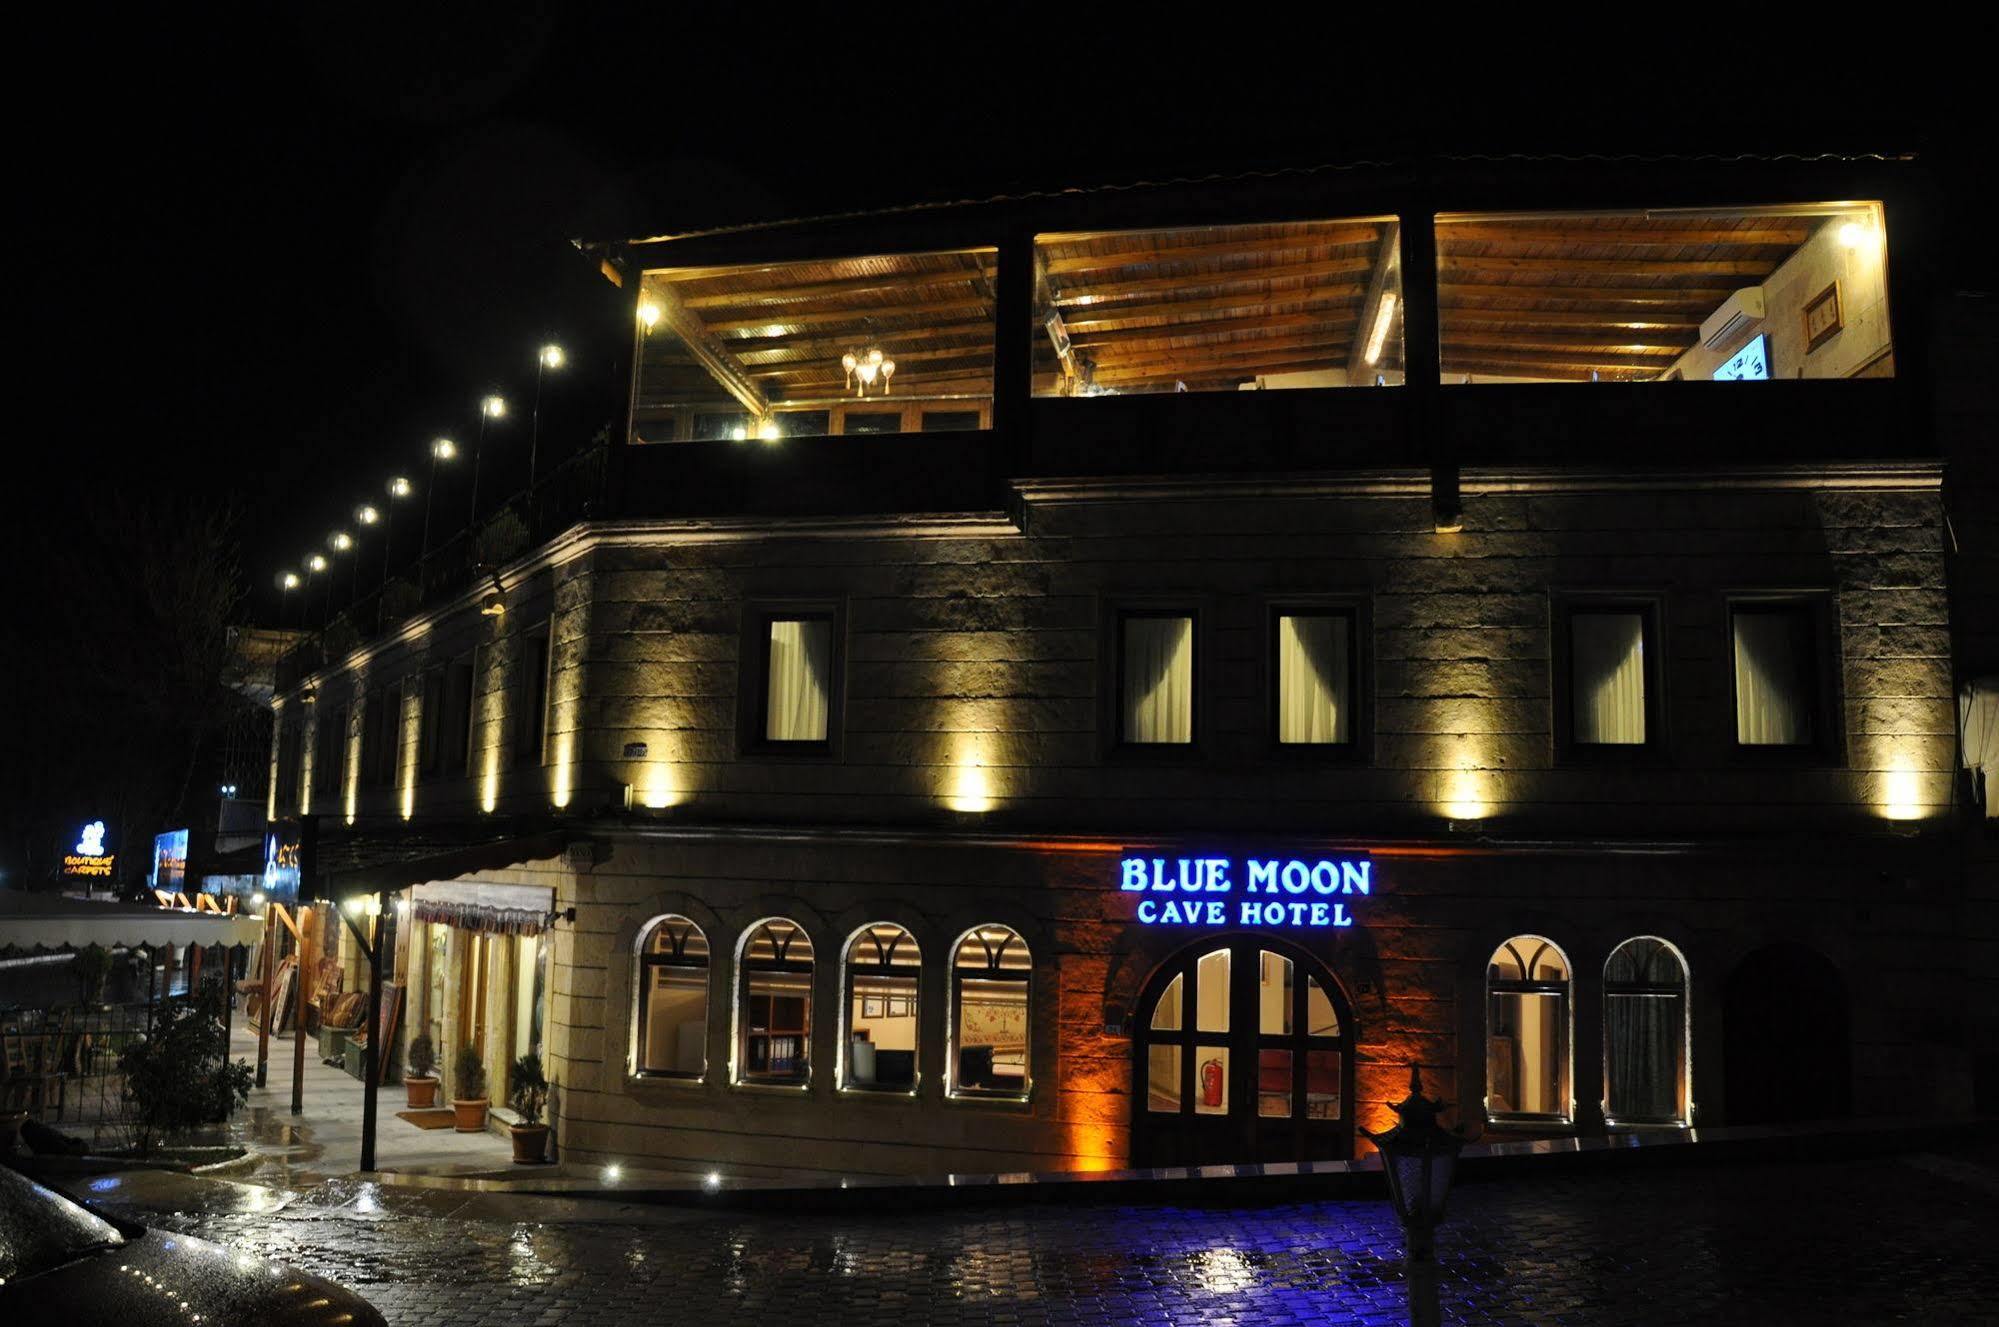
[
  {"x": 1467, "y": 788},
  {"x": 657, "y": 791},
  {"x": 970, "y": 786}
]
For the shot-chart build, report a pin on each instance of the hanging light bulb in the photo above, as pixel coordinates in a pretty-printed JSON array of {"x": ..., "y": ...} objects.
[
  {"x": 888, "y": 372},
  {"x": 865, "y": 367}
]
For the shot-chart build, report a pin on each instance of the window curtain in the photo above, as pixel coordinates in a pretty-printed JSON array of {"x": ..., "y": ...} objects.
[
  {"x": 1644, "y": 1019},
  {"x": 800, "y": 680},
  {"x": 1772, "y": 707},
  {"x": 1607, "y": 653},
  {"x": 1159, "y": 679},
  {"x": 1314, "y": 670}
]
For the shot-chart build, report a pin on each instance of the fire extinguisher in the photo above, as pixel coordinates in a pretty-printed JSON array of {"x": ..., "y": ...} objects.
[{"x": 1211, "y": 1083}]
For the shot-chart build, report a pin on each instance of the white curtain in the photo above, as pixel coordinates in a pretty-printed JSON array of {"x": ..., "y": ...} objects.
[
  {"x": 1159, "y": 679},
  {"x": 1314, "y": 657},
  {"x": 1771, "y": 707},
  {"x": 1608, "y": 675},
  {"x": 800, "y": 676}
]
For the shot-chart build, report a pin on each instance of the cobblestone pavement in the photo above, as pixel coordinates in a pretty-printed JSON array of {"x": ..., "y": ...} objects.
[{"x": 1889, "y": 1240}]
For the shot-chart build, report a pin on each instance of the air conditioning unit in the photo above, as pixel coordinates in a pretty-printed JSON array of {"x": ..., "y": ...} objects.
[{"x": 1737, "y": 317}]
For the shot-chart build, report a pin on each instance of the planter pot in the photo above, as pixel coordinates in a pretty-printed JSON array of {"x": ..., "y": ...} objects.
[
  {"x": 471, "y": 1115},
  {"x": 422, "y": 1092},
  {"x": 530, "y": 1142}
]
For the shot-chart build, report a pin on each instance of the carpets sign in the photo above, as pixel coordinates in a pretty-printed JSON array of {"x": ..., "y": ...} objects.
[
  {"x": 1252, "y": 892},
  {"x": 88, "y": 860}
]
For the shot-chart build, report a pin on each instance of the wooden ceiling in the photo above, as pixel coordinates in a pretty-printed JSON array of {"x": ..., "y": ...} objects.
[
  {"x": 1617, "y": 297},
  {"x": 773, "y": 335},
  {"x": 1210, "y": 308}
]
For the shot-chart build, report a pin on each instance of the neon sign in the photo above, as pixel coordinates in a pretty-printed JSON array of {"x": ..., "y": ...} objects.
[
  {"x": 88, "y": 858},
  {"x": 1315, "y": 892}
]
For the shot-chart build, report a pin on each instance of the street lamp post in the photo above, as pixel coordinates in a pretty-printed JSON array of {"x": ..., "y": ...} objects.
[
  {"x": 364, "y": 515},
  {"x": 492, "y": 407},
  {"x": 1419, "y": 1158},
  {"x": 398, "y": 488},
  {"x": 551, "y": 356},
  {"x": 316, "y": 566},
  {"x": 342, "y": 542},
  {"x": 441, "y": 449}
]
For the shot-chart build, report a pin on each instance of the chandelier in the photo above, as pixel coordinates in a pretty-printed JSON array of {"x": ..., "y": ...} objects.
[{"x": 865, "y": 367}]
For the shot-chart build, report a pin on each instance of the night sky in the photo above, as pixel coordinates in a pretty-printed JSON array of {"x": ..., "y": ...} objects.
[{"x": 320, "y": 242}]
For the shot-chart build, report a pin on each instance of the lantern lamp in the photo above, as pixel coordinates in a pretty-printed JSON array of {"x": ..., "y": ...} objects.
[{"x": 1420, "y": 1158}]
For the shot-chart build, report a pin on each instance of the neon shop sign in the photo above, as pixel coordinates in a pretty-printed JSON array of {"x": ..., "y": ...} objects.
[{"x": 1310, "y": 892}]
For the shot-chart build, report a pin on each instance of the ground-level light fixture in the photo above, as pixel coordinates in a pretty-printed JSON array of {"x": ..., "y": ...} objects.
[{"x": 1420, "y": 1158}]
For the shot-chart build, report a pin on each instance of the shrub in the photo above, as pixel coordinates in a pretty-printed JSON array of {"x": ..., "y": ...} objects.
[
  {"x": 530, "y": 1088},
  {"x": 423, "y": 1056},
  {"x": 90, "y": 967},
  {"x": 468, "y": 1079},
  {"x": 180, "y": 1076}
]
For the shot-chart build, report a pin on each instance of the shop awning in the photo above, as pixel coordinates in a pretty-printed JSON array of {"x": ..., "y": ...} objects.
[
  {"x": 365, "y": 861},
  {"x": 52, "y": 921}
]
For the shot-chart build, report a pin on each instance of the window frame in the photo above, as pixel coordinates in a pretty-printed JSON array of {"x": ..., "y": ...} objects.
[
  {"x": 741, "y": 1076},
  {"x": 753, "y": 684},
  {"x": 953, "y": 1090},
  {"x": 1117, "y": 611},
  {"x": 531, "y": 719},
  {"x": 1563, "y": 990},
  {"x": 1358, "y": 749},
  {"x": 1563, "y": 606},
  {"x": 843, "y": 1078},
  {"x": 1827, "y": 747},
  {"x": 646, "y": 960}
]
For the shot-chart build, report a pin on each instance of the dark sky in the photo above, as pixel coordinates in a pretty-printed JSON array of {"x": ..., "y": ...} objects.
[{"x": 322, "y": 239}]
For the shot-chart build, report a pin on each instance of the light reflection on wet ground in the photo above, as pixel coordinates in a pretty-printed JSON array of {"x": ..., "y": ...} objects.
[{"x": 1864, "y": 1241}]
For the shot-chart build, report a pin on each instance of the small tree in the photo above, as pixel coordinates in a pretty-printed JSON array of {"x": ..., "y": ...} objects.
[
  {"x": 468, "y": 1079},
  {"x": 90, "y": 967},
  {"x": 530, "y": 1088},
  {"x": 423, "y": 1056},
  {"x": 180, "y": 1076}
]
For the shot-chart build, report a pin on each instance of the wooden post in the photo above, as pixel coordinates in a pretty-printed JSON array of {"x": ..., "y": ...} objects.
[
  {"x": 371, "y": 1059},
  {"x": 268, "y": 960},
  {"x": 307, "y": 932}
]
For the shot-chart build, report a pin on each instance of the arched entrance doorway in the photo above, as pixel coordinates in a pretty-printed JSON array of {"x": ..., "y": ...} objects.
[
  {"x": 1242, "y": 1051},
  {"x": 1787, "y": 1048}
]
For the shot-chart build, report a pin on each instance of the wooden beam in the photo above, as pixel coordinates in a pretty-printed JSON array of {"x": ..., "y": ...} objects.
[
  {"x": 1456, "y": 315},
  {"x": 819, "y": 340},
  {"x": 1586, "y": 346},
  {"x": 1651, "y": 297},
  {"x": 1582, "y": 362},
  {"x": 1118, "y": 338},
  {"x": 1210, "y": 280},
  {"x": 1265, "y": 348},
  {"x": 903, "y": 361},
  {"x": 1096, "y": 315},
  {"x": 1475, "y": 232},
  {"x": 1637, "y": 267},
  {"x": 822, "y": 290},
  {"x": 1199, "y": 374},
  {"x": 1219, "y": 248},
  {"x": 701, "y": 343},
  {"x": 1381, "y": 286},
  {"x": 857, "y": 317}
]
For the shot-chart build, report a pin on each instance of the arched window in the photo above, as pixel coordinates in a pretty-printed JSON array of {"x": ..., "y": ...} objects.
[
  {"x": 1645, "y": 1078},
  {"x": 673, "y": 999},
  {"x": 1527, "y": 1032},
  {"x": 774, "y": 1004},
  {"x": 991, "y": 973},
  {"x": 882, "y": 967}
]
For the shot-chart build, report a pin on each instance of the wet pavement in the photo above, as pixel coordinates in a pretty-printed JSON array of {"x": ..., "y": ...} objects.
[{"x": 1883, "y": 1240}]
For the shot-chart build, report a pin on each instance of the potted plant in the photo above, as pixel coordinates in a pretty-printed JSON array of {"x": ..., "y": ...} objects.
[
  {"x": 421, "y": 1081},
  {"x": 529, "y": 1097},
  {"x": 468, "y": 1100}
]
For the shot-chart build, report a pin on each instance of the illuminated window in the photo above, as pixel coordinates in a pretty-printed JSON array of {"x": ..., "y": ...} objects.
[
  {"x": 1155, "y": 679},
  {"x": 1607, "y": 667},
  {"x": 1527, "y": 1032},
  {"x": 1645, "y": 1074},
  {"x": 1218, "y": 308},
  {"x": 1686, "y": 295},
  {"x": 774, "y": 1009},
  {"x": 673, "y": 999},
  {"x": 991, "y": 977},
  {"x": 882, "y": 970},
  {"x": 762, "y": 353},
  {"x": 1777, "y": 647},
  {"x": 1315, "y": 684},
  {"x": 791, "y": 679}
]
